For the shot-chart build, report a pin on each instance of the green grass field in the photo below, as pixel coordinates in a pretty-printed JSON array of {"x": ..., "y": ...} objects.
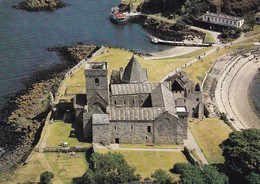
[
  {"x": 146, "y": 162},
  {"x": 255, "y": 31},
  {"x": 60, "y": 131},
  {"x": 209, "y": 133},
  {"x": 62, "y": 166},
  {"x": 117, "y": 58}
]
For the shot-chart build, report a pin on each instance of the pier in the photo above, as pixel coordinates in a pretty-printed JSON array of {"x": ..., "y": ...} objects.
[{"x": 156, "y": 40}]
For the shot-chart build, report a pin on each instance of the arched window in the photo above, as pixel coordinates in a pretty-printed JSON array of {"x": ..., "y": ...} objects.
[{"x": 96, "y": 82}]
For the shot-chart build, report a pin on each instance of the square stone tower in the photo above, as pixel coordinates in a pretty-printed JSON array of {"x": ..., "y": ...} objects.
[{"x": 96, "y": 74}]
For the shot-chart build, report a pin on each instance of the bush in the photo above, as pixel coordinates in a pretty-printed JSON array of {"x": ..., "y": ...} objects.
[
  {"x": 162, "y": 177},
  {"x": 46, "y": 177}
]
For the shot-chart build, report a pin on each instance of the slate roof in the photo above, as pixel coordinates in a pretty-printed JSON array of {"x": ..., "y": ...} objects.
[
  {"x": 134, "y": 73},
  {"x": 224, "y": 16},
  {"x": 163, "y": 97},
  {"x": 129, "y": 89},
  {"x": 100, "y": 119},
  {"x": 134, "y": 114}
]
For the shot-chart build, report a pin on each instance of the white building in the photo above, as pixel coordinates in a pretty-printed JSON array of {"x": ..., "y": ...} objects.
[
  {"x": 257, "y": 18},
  {"x": 222, "y": 19}
]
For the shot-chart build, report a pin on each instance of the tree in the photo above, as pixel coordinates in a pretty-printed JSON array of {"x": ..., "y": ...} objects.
[
  {"x": 253, "y": 178},
  {"x": 109, "y": 168},
  {"x": 212, "y": 175},
  {"x": 242, "y": 152},
  {"x": 207, "y": 174},
  {"x": 46, "y": 177},
  {"x": 162, "y": 177}
]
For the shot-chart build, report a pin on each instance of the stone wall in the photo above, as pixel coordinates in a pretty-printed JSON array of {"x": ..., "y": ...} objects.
[
  {"x": 129, "y": 100},
  {"x": 192, "y": 101},
  {"x": 132, "y": 132},
  {"x": 101, "y": 134},
  {"x": 168, "y": 130}
]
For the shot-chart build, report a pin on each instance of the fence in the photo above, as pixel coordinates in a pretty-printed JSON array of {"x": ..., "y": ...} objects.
[{"x": 62, "y": 149}]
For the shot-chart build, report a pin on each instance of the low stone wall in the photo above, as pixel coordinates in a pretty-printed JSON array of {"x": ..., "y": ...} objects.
[
  {"x": 190, "y": 157},
  {"x": 61, "y": 149}
]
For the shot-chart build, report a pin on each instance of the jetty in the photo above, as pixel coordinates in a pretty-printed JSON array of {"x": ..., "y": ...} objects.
[{"x": 156, "y": 40}]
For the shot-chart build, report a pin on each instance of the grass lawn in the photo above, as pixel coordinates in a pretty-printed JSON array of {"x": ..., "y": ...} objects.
[
  {"x": 157, "y": 69},
  {"x": 63, "y": 167},
  {"x": 146, "y": 162},
  {"x": 198, "y": 70},
  {"x": 117, "y": 58},
  {"x": 76, "y": 90},
  {"x": 255, "y": 31},
  {"x": 60, "y": 131},
  {"x": 157, "y": 146},
  {"x": 209, "y": 133}
]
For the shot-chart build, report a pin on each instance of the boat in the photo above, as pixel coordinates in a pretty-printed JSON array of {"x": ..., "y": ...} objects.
[{"x": 117, "y": 16}]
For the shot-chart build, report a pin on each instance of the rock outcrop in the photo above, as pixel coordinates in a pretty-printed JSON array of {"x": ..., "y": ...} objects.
[
  {"x": 40, "y": 5},
  {"x": 178, "y": 32}
]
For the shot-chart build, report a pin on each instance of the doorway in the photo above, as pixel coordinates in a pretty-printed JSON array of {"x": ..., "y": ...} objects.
[{"x": 117, "y": 140}]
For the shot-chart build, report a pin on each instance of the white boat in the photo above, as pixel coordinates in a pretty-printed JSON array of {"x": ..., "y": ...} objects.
[{"x": 117, "y": 16}]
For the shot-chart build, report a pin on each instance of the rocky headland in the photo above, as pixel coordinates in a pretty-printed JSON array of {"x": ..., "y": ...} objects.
[
  {"x": 40, "y": 5},
  {"x": 23, "y": 116},
  {"x": 171, "y": 31}
]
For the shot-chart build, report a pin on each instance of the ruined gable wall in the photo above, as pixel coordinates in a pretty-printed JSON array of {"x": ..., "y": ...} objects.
[{"x": 167, "y": 130}]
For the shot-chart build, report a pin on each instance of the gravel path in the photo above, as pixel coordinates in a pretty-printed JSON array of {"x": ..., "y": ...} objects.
[{"x": 173, "y": 52}]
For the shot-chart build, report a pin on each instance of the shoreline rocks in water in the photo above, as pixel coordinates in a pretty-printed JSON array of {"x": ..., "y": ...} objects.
[
  {"x": 40, "y": 5},
  {"x": 23, "y": 116}
]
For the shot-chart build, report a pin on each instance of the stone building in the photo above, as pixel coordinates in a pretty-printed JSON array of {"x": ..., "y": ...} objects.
[
  {"x": 128, "y": 109},
  {"x": 189, "y": 93},
  {"x": 224, "y": 20}
]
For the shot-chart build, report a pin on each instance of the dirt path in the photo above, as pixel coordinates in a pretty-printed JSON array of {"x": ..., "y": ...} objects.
[
  {"x": 192, "y": 144},
  {"x": 173, "y": 52}
]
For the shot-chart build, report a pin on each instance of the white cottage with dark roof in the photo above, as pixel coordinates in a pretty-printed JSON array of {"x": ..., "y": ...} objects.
[
  {"x": 129, "y": 109},
  {"x": 224, "y": 20}
]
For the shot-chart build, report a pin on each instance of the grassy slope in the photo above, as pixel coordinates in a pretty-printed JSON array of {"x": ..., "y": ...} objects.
[
  {"x": 254, "y": 32},
  {"x": 199, "y": 69},
  {"x": 209, "y": 133}
]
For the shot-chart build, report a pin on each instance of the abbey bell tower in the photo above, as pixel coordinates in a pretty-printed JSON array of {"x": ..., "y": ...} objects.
[{"x": 96, "y": 74}]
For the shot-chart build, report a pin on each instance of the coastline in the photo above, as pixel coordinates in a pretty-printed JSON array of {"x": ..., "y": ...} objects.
[
  {"x": 23, "y": 115},
  {"x": 232, "y": 90},
  {"x": 250, "y": 99}
]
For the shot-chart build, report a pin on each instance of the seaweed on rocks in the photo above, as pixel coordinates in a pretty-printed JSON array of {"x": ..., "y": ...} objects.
[{"x": 40, "y": 5}]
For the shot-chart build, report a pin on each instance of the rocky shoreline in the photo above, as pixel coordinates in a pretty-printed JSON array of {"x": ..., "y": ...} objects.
[
  {"x": 23, "y": 116},
  {"x": 165, "y": 30},
  {"x": 40, "y": 5}
]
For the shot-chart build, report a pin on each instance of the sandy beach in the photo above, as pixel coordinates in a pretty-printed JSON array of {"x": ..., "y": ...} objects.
[{"x": 232, "y": 89}]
